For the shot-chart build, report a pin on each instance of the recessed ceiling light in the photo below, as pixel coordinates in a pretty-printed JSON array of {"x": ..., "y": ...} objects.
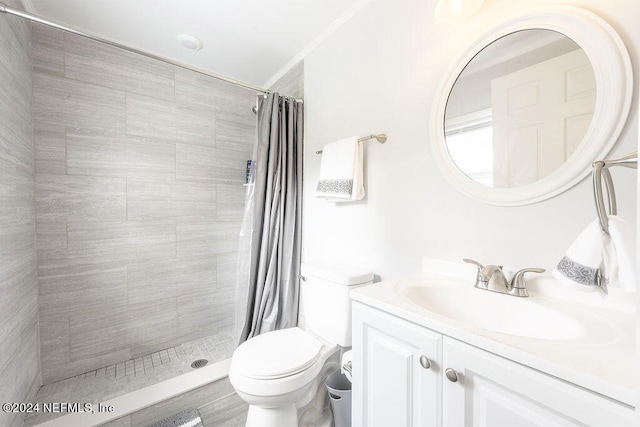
[{"x": 189, "y": 41}]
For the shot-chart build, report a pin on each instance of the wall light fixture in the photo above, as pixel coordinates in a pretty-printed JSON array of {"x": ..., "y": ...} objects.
[{"x": 452, "y": 11}]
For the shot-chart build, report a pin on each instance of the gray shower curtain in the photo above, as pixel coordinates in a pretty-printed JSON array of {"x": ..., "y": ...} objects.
[{"x": 277, "y": 214}]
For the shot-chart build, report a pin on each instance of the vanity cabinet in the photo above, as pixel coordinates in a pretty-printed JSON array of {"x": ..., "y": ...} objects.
[
  {"x": 463, "y": 385},
  {"x": 494, "y": 391},
  {"x": 397, "y": 371}
]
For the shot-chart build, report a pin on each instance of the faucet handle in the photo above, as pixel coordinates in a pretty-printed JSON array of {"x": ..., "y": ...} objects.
[
  {"x": 481, "y": 283},
  {"x": 517, "y": 282},
  {"x": 474, "y": 262}
]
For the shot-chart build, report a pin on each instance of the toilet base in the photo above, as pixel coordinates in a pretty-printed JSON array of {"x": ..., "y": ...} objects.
[{"x": 283, "y": 416}]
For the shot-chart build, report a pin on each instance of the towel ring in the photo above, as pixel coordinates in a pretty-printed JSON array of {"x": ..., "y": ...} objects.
[{"x": 600, "y": 172}]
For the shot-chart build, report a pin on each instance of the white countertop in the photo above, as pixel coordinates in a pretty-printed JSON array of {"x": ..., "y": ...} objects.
[{"x": 602, "y": 360}]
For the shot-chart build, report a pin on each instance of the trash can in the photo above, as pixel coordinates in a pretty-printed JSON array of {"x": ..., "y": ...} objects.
[{"x": 339, "y": 388}]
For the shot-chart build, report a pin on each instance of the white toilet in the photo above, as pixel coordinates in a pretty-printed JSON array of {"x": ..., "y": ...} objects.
[{"x": 278, "y": 372}]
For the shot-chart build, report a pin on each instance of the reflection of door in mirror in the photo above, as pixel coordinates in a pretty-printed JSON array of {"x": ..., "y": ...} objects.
[{"x": 540, "y": 115}]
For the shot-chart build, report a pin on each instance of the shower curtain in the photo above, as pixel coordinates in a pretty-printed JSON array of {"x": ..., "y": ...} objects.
[{"x": 268, "y": 274}]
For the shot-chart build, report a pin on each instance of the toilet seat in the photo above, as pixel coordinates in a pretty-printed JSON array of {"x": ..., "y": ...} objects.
[{"x": 277, "y": 354}]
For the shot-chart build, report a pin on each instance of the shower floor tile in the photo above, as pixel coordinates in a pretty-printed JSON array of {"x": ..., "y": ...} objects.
[{"x": 117, "y": 379}]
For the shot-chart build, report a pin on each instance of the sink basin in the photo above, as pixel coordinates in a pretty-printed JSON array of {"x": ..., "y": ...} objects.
[{"x": 490, "y": 311}]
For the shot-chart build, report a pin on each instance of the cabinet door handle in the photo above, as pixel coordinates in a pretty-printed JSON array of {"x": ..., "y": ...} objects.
[
  {"x": 425, "y": 362},
  {"x": 451, "y": 374}
]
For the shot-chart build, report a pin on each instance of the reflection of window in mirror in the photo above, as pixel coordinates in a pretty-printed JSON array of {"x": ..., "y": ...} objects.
[{"x": 470, "y": 145}]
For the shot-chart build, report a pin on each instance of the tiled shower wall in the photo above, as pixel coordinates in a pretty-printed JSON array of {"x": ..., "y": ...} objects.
[
  {"x": 19, "y": 371},
  {"x": 139, "y": 172}
]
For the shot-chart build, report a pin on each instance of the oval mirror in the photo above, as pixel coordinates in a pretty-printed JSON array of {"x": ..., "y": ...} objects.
[{"x": 526, "y": 110}]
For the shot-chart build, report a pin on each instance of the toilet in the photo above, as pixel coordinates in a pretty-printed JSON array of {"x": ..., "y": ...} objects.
[{"x": 278, "y": 372}]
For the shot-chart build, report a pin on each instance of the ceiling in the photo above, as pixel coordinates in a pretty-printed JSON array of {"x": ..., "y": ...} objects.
[{"x": 253, "y": 41}]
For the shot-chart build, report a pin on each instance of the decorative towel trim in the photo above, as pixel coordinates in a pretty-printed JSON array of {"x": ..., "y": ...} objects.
[
  {"x": 579, "y": 273},
  {"x": 335, "y": 186}
]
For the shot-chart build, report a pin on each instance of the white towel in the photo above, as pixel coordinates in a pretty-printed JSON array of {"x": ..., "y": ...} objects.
[
  {"x": 600, "y": 260},
  {"x": 341, "y": 171},
  {"x": 622, "y": 254}
]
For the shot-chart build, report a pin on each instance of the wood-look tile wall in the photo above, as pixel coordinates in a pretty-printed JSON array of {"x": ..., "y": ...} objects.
[
  {"x": 139, "y": 172},
  {"x": 19, "y": 367}
]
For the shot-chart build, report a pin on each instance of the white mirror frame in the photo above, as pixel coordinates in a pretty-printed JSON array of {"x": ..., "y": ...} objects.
[{"x": 614, "y": 82}]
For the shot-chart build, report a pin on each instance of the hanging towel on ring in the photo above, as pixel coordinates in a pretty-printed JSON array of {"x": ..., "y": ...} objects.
[
  {"x": 341, "y": 177},
  {"x": 597, "y": 259}
]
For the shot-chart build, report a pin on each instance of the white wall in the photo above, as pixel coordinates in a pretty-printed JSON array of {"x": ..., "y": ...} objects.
[{"x": 379, "y": 73}]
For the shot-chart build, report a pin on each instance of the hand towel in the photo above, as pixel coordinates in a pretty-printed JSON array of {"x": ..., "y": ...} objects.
[
  {"x": 622, "y": 254},
  {"x": 583, "y": 260},
  {"x": 597, "y": 259},
  {"x": 341, "y": 171}
]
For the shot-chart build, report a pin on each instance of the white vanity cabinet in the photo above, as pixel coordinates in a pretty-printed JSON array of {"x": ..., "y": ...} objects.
[
  {"x": 397, "y": 371},
  {"x": 494, "y": 391},
  {"x": 392, "y": 388}
]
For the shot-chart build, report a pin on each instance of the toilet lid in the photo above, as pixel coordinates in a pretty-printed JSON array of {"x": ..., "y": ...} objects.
[{"x": 276, "y": 354}]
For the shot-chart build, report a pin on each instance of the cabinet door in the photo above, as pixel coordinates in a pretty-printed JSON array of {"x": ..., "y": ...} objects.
[
  {"x": 495, "y": 392},
  {"x": 391, "y": 387}
]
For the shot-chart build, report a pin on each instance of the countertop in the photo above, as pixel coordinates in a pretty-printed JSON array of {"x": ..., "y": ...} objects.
[{"x": 603, "y": 360}]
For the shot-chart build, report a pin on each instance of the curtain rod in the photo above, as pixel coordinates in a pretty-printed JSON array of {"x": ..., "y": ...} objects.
[{"x": 11, "y": 11}]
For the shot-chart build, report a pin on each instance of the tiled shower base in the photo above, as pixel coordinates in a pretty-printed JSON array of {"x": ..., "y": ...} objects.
[{"x": 115, "y": 380}]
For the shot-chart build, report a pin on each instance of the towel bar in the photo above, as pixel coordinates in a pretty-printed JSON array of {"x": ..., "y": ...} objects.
[
  {"x": 600, "y": 172},
  {"x": 382, "y": 138}
]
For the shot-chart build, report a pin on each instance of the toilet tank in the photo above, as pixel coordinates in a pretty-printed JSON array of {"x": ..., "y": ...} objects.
[{"x": 326, "y": 305}]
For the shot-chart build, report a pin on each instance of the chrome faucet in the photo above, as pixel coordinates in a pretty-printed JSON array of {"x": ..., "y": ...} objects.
[{"x": 492, "y": 278}]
